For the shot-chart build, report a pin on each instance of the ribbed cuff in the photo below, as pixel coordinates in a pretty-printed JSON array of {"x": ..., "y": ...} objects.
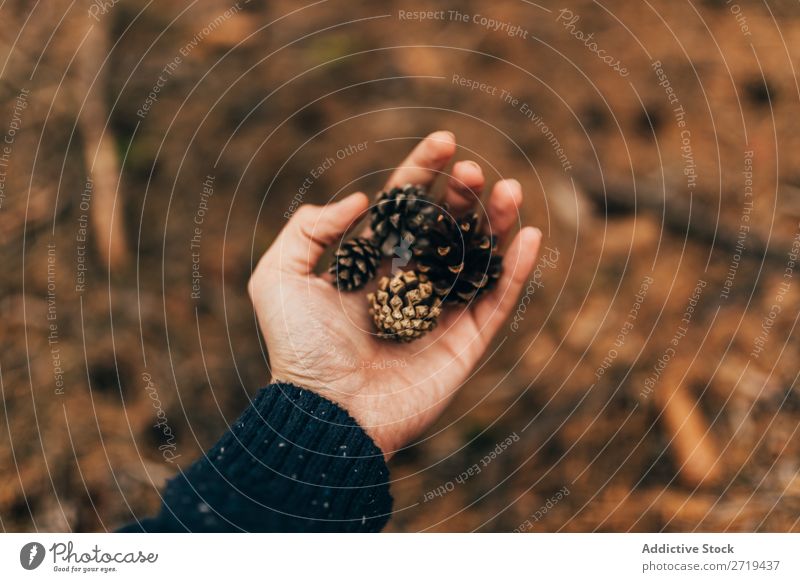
[{"x": 293, "y": 461}]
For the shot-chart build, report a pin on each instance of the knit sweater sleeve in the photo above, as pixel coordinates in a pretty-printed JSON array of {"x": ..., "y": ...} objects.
[{"x": 292, "y": 462}]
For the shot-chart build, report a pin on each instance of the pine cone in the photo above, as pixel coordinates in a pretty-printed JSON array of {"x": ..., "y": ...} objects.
[
  {"x": 398, "y": 216},
  {"x": 457, "y": 258},
  {"x": 355, "y": 263},
  {"x": 404, "y": 307}
]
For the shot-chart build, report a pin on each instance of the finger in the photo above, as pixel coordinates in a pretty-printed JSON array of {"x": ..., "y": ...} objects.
[
  {"x": 425, "y": 161},
  {"x": 503, "y": 208},
  {"x": 492, "y": 311},
  {"x": 464, "y": 187},
  {"x": 311, "y": 229}
]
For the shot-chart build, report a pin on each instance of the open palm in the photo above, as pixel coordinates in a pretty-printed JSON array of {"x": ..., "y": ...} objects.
[{"x": 323, "y": 340}]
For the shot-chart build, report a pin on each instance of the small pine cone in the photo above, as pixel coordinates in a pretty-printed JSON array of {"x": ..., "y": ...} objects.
[
  {"x": 355, "y": 263},
  {"x": 398, "y": 216},
  {"x": 404, "y": 307},
  {"x": 460, "y": 261}
]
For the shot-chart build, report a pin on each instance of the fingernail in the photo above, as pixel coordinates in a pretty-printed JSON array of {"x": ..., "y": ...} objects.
[
  {"x": 462, "y": 164},
  {"x": 350, "y": 197},
  {"x": 441, "y": 150}
]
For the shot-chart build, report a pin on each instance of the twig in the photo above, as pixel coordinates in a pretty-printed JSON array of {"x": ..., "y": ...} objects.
[
  {"x": 99, "y": 150},
  {"x": 693, "y": 446},
  {"x": 680, "y": 215}
]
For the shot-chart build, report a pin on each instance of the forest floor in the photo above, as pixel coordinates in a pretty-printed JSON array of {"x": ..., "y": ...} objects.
[{"x": 649, "y": 384}]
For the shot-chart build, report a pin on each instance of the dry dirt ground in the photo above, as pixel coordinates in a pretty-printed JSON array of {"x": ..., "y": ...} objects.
[{"x": 650, "y": 380}]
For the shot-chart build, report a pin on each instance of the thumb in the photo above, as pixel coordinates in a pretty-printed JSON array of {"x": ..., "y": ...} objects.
[{"x": 311, "y": 229}]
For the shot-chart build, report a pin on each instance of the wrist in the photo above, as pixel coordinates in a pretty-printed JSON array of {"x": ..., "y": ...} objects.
[
  {"x": 377, "y": 433},
  {"x": 344, "y": 400}
]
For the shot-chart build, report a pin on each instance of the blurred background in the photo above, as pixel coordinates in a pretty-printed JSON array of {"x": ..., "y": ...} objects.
[{"x": 648, "y": 381}]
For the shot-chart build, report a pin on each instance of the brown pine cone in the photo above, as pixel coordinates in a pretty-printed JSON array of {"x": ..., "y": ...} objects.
[
  {"x": 398, "y": 215},
  {"x": 355, "y": 263},
  {"x": 460, "y": 261},
  {"x": 404, "y": 307}
]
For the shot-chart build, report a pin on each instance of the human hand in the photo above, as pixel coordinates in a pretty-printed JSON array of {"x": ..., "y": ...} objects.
[{"x": 323, "y": 340}]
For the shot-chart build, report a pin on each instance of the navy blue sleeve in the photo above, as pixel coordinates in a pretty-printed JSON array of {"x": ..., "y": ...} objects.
[{"x": 292, "y": 462}]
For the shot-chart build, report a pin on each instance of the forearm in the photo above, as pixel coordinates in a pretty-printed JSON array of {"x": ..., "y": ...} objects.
[{"x": 293, "y": 461}]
